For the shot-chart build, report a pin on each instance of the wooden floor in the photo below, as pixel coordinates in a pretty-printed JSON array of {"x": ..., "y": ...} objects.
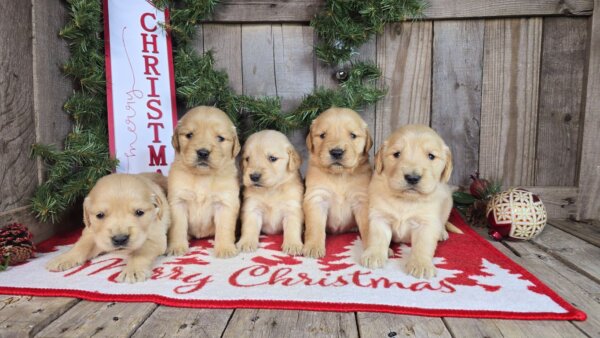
[{"x": 566, "y": 256}]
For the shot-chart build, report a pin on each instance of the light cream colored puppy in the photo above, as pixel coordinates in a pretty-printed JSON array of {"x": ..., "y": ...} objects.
[
  {"x": 203, "y": 181},
  {"x": 122, "y": 212},
  {"x": 337, "y": 179},
  {"x": 273, "y": 191},
  {"x": 409, "y": 200}
]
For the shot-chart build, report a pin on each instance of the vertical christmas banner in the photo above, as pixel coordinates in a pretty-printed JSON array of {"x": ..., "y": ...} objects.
[{"x": 140, "y": 86}]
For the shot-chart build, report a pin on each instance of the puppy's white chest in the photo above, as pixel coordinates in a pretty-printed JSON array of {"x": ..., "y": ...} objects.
[
  {"x": 339, "y": 217},
  {"x": 201, "y": 210},
  {"x": 272, "y": 220}
]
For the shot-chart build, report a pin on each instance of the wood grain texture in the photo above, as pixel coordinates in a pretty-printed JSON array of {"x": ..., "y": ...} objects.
[
  {"x": 182, "y": 322},
  {"x": 18, "y": 172},
  {"x": 226, "y": 42},
  {"x": 404, "y": 57},
  {"x": 571, "y": 250},
  {"x": 258, "y": 63},
  {"x": 564, "y": 58},
  {"x": 294, "y": 73},
  {"x": 560, "y": 202},
  {"x": 282, "y": 323},
  {"x": 577, "y": 289},
  {"x": 464, "y": 327},
  {"x": 87, "y": 319},
  {"x": 587, "y": 231},
  {"x": 51, "y": 87},
  {"x": 589, "y": 173},
  {"x": 22, "y": 316},
  {"x": 304, "y": 10},
  {"x": 390, "y": 325},
  {"x": 510, "y": 100},
  {"x": 456, "y": 92}
]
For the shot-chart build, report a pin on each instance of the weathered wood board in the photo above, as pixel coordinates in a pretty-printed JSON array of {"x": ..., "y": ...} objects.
[
  {"x": 18, "y": 172},
  {"x": 509, "y": 104},
  {"x": 456, "y": 101}
]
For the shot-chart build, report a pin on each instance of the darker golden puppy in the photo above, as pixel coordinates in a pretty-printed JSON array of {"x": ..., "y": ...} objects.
[
  {"x": 273, "y": 191},
  {"x": 409, "y": 198},
  {"x": 203, "y": 181},
  {"x": 122, "y": 212},
  {"x": 337, "y": 179}
]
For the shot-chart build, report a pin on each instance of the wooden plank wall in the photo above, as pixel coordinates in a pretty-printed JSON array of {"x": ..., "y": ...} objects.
[
  {"x": 32, "y": 91},
  {"x": 506, "y": 94}
]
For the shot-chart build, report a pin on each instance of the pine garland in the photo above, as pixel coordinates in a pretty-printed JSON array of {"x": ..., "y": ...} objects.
[{"x": 341, "y": 28}]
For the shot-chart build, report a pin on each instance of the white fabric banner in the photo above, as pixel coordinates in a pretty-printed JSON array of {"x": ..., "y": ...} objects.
[{"x": 139, "y": 85}]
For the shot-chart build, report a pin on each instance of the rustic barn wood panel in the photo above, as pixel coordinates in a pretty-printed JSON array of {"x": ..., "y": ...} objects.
[
  {"x": 564, "y": 58},
  {"x": 18, "y": 172},
  {"x": 51, "y": 87},
  {"x": 226, "y": 41},
  {"x": 511, "y": 67},
  {"x": 589, "y": 174},
  {"x": 404, "y": 56},
  {"x": 456, "y": 100},
  {"x": 304, "y": 10}
]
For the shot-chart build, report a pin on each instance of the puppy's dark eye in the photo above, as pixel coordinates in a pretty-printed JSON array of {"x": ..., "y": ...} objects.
[
  {"x": 431, "y": 156},
  {"x": 139, "y": 213},
  {"x": 220, "y": 138},
  {"x": 189, "y": 135},
  {"x": 397, "y": 154},
  {"x": 100, "y": 215},
  {"x": 272, "y": 158},
  {"x": 322, "y": 135},
  {"x": 247, "y": 159},
  {"x": 352, "y": 135}
]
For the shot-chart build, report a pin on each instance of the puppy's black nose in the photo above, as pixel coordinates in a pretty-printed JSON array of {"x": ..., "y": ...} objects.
[
  {"x": 412, "y": 179},
  {"x": 336, "y": 153},
  {"x": 203, "y": 153},
  {"x": 119, "y": 240},
  {"x": 255, "y": 177}
]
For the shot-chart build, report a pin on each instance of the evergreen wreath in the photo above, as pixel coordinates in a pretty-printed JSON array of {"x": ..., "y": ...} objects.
[{"x": 341, "y": 27}]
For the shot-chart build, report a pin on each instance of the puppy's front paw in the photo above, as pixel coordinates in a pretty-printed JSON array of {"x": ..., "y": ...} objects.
[
  {"x": 247, "y": 245},
  {"x": 420, "y": 267},
  {"x": 314, "y": 250},
  {"x": 292, "y": 248},
  {"x": 374, "y": 259},
  {"x": 225, "y": 250},
  {"x": 177, "y": 249},
  {"x": 133, "y": 275},
  {"x": 63, "y": 262},
  {"x": 444, "y": 235}
]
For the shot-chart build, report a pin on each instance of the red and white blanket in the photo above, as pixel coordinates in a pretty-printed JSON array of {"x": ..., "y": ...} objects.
[{"x": 473, "y": 280}]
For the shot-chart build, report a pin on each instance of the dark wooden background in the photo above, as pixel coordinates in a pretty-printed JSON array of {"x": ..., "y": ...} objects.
[{"x": 513, "y": 86}]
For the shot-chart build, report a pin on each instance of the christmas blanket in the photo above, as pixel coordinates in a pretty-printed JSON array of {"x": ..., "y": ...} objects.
[{"x": 473, "y": 280}]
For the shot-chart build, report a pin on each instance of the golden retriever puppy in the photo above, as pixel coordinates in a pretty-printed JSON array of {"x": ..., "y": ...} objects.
[
  {"x": 122, "y": 212},
  {"x": 203, "y": 181},
  {"x": 337, "y": 179},
  {"x": 409, "y": 200},
  {"x": 273, "y": 191}
]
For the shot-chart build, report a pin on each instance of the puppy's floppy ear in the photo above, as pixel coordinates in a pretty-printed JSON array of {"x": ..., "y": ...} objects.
[
  {"x": 175, "y": 140},
  {"x": 369, "y": 141},
  {"x": 448, "y": 168},
  {"x": 379, "y": 158},
  {"x": 295, "y": 160},
  {"x": 309, "y": 142},
  {"x": 236, "y": 147},
  {"x": 86, "y": 214},
  {"x": 158, "y": 205}
]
